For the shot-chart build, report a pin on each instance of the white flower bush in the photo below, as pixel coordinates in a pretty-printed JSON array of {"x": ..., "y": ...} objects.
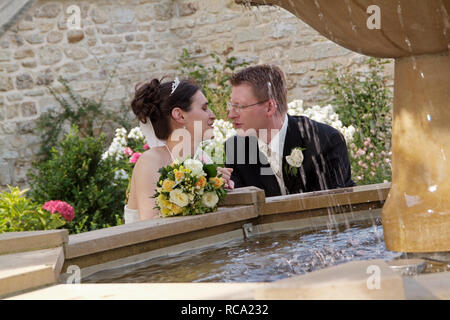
[
  {"x": 325, "y": 115},
  {"x": 119, "y": 143},
  {"x": 215, "y": 148}
]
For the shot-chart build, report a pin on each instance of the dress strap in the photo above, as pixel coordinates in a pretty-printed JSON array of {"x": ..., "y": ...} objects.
[{"x": 169, "y": 152}]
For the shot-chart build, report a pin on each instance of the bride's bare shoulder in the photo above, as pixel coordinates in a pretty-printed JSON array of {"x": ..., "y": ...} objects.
[{"x": 151, "y": 158}]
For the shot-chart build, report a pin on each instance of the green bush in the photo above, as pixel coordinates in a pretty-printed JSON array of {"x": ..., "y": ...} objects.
[
  {"x": 77, "y": 174},
  {"x": 363, "y": 99},
  {"x": 18, "y": 213},
  {"x": 214, "y": 79}
]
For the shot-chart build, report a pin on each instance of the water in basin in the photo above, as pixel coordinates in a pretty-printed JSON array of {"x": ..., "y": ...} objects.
[{"x": 261, "y": 258}]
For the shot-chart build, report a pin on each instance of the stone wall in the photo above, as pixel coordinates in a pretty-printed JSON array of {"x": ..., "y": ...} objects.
[{"x": 134, "y": 40}]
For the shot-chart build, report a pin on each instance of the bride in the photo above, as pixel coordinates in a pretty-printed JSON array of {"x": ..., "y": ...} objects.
[{"x": 166, "y": 111}]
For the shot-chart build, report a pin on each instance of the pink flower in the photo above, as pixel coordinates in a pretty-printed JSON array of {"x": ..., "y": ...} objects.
[
  {"x": 146, "y": 147},
  {"x": 61, "y": 207},
  {"x": 135, "y": 157},
  {"x": 128, "y": 151}
]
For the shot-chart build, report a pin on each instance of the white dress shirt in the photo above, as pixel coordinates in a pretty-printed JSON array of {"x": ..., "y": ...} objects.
[{"x": 274, "y": 154}]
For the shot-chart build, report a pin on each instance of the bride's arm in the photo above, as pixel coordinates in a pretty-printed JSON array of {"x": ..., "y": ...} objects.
[{"x": 147, "y": 176}]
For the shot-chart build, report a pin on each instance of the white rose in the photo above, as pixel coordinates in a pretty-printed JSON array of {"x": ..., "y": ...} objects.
[
  {"x": 295, "y": 159},
  {"x": 195, "y": 166},
  {"x": 179, "y": 198},
  {"x": 210, "y": 199}
]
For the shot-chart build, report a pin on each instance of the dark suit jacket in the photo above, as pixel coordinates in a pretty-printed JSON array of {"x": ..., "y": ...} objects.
[{"x": 325, "y": 166}]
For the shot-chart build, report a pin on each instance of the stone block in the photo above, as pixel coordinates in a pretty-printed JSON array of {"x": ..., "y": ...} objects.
[
  {"x": 54, "y": 37},
  {"x": 92, "y": 41},
  {"x": 256, "y": 34},
  {"x": 45, "y": 26},
  {"x": 5, "y": 55},
  {"x": 24, "y": 81},
  {"x": 26, "y": 23},
  {"x": 99, "y": 15},
  {"x": 187, "y": 8},
  {"x": 11, "y": 112},
  {"x": 317, "y": 51},
  {"x": 181, "y": 24},
  {"x": 70, "y": 67},
  {"x": 5, "y": 176},
  {"x": 105, "y": 30},
  {"x": 29, "y": 64},
  {"x": 143, "y": 13},
  {"x": 28, "y": 270},
  {"x": 74, "y": 36},
  {"x": 206, "y": 19},
  {"x": 50, "y": 55},
  {"x": 45, "y": 77},
  {"x": 9, "y": 67},
  {"x": 162, "y": 11},
  {"x": 112, "y": 39},
  {"x": 6, "y": 83},
  {"x": 24, "y": 53},
  {"x": 284, "y": 29},
  {"x": 34, "y": 93},
  {"x": 123, "y": 15},
  {"x": 124, "y": 235},
  {"x": 50, "y": 10},
  {"x": 35, "y": 38},
  {"x": 357, "y": 280},
  {"x": 130, "y": 37},
  {"x": 76, "y": 53},
  {"x": 14, "y": 242},
  {"x": 160, "y": 26},
  {"x": 14, "y": 96},
  {"x": 125, "y": 28}
]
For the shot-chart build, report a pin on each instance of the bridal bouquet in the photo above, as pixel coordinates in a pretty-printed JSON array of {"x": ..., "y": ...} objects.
[{"x": 188, "y": 188}]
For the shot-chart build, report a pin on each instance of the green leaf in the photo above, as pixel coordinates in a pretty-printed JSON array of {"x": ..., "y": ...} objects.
[{"x": 210, "y": 169}]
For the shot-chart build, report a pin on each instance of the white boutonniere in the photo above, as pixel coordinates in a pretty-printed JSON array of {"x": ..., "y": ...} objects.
[{"x": 294, "y": 161}]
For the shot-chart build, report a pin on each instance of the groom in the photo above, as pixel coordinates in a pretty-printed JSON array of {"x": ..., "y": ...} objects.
[{"x": 274, "y": 151}]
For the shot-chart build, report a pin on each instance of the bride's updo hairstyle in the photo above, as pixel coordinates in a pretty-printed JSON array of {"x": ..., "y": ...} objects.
[{"x": 155, "y": 101}]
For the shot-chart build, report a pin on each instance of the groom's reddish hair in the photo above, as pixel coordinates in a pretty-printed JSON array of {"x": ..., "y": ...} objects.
[{"x": 267, "y": 81}]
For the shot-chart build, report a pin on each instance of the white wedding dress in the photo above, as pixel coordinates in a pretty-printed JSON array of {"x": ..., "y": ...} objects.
[{"x": 130, "y": 215}]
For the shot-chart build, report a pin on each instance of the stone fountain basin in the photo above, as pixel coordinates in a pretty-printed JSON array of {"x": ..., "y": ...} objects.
[{"x": 134, "y": 243}]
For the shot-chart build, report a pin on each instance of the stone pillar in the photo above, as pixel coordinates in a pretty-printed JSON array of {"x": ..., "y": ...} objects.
[{"x": 416, "y": 215}]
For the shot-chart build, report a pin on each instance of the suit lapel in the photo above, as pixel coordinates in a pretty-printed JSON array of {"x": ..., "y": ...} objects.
[{"x": 293, "y": 139}]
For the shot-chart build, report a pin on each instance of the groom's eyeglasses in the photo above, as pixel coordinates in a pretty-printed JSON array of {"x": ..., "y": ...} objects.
[{"x": 238, "y": 108}]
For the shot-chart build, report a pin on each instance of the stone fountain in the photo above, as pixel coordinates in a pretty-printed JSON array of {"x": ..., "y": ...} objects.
[{"x": 416, "y": 33}]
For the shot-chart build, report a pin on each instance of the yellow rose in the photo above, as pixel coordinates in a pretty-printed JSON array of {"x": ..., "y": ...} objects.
[
  {"x": 179, "y": 175},
  {"x": 168, "y": 185},
  {"x": 201, "y": 182},
  {"x": 176, "y": 209},
  {"x": 217, "y": 182},
  {"x": 166, "y": 211},
  {"x": 178, "y": 197}
]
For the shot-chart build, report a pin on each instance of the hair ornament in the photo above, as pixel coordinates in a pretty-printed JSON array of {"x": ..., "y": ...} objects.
[{"x": 175, "y": 84}]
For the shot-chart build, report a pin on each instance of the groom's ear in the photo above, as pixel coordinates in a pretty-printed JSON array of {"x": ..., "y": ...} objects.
[{"x": 272, "y": 109}]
